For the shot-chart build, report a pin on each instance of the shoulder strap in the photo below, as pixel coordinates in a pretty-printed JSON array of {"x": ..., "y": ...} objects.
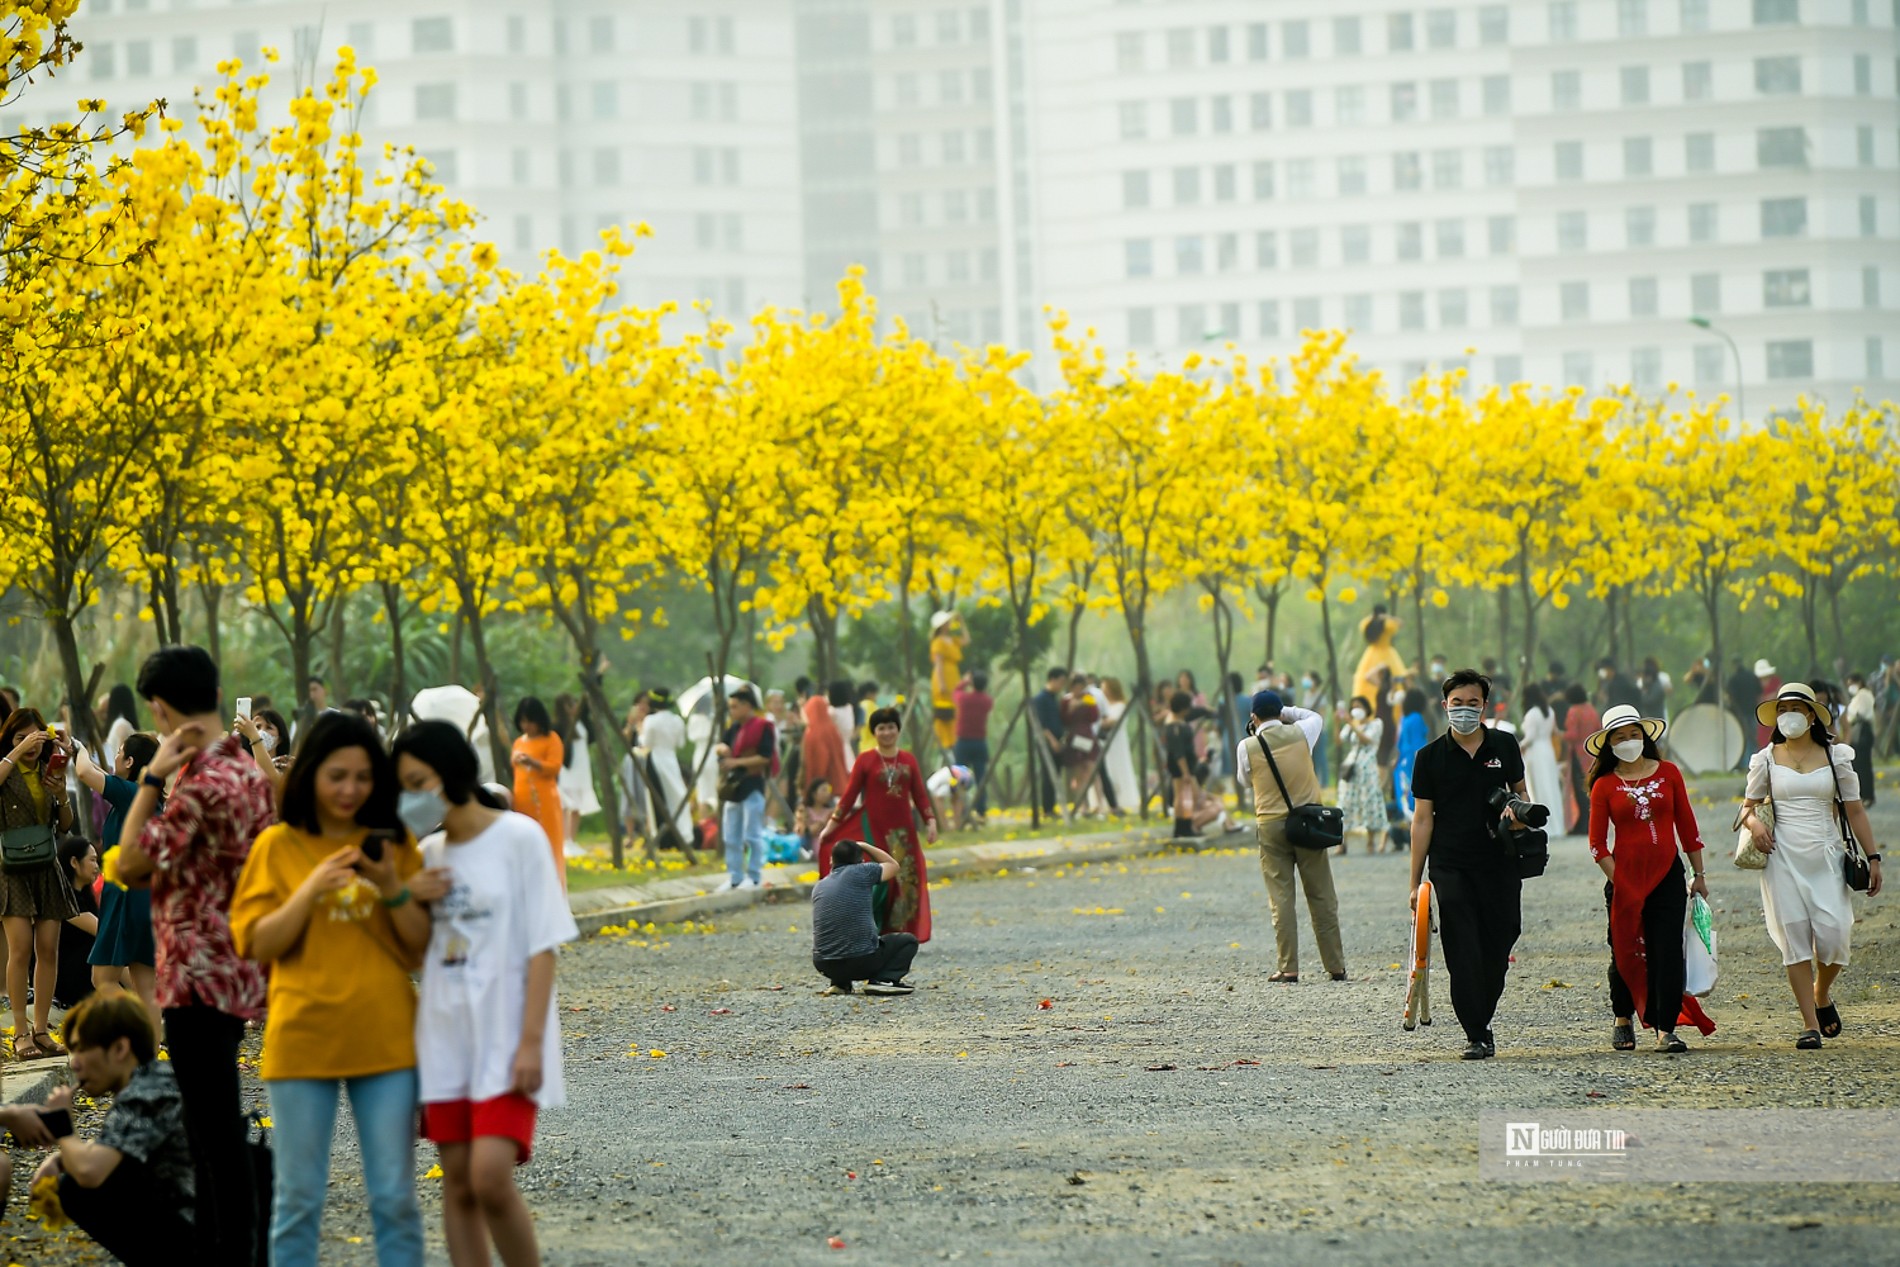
[
  {"x": 1840, "y": 806},
  {"x": 1273, "y": 766}
]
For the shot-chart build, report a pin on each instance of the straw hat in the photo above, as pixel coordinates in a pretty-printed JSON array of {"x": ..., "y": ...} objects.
[
  {"x": 1764, "y": 669},
  {"x": 1801, "y": 691},
  {"x": 1618, "y": 717},
  {"x": 941, "y": 619}
]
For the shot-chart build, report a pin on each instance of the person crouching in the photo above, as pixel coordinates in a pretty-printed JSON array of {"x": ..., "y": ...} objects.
[{"x": 845, "y": 945}]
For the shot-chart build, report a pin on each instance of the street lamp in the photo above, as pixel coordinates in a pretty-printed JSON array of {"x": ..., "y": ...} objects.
[{"x": 1703, "y": 323}]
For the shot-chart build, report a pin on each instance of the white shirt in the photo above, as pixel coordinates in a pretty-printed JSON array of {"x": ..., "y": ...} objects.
[
  {"x": 1311, "y": 724},
  {"x": 504, "y": 907},
  {"x": 662, "y": 732}
]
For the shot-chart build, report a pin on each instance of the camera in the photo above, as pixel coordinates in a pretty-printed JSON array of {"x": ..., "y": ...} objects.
[{"x": 1528, "y": 842}]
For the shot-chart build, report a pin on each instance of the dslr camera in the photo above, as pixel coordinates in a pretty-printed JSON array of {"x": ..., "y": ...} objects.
[{"x": 1528, "y": 842}]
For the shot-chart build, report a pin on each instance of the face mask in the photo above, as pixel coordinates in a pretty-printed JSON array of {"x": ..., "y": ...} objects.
[
  {"x": 1358, "y": 714},
  {"x": 1309, "y": 683},
  {"x": 268, "y": 739},
  {"x": 1793, "y": 724},
  {"x": 1603, "y": 675},
  {"x": 1438, "y": 670},
  {"x": 1464, "y": 717},
  {"x": 422, "y": 812},
  {"x": 1628, "y": 749}
]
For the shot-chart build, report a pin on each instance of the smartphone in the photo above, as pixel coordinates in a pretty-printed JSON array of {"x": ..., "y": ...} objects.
[
  {"x": 374, "y": 843},
  {"x": 58, "y": 1121},
  {"x": 244, "y": 707},
  {"x": 56, "y": 754}
]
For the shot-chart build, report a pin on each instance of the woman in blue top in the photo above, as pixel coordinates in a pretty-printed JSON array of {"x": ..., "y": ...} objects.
[
  {"x": 124, "y": 948},
  {"x": 1413, "y": 736}
]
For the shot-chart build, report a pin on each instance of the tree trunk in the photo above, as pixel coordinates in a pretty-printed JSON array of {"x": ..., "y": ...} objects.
[
  {"x": 212, "y": 596},
  {"x": 1840, "y": 634},
  {"x": 824, "y": 637},
  {"x": 609, "y": 783},
  {"x": 455, "y": 649},
  {"x": 1418, "y": 626},
  {"x": 1810, "y": 617},
  {"x": 1076, "y": 612},
  {"x": 301, "y": 639},
  {"x": 398, "y": 670},
  {"x": 1270, "y": 599},
  {"x": 161, "y": 625},
  {"x": 491, "y": 691},
  {"x": 1332, "y": 648},
  {"x": 1610, "y": 604},
  {"x": 1032, "y": 734},
  {"x": 1504, "y": 628},
  {"x": 1712, "y": 604},
  {"x": 339, "y": 679},
  {"x": 73, "y": 682}
]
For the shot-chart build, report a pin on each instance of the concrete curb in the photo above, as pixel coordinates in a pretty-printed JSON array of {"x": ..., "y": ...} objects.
[
  {"x": 32, "y": 1082},
  {"x": 958, "y": 861}
]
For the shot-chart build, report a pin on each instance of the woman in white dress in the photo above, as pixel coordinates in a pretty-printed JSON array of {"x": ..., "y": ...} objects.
[
  {"x": 576, "y": 780},
  {"x": 1118, "y": 764},
  {"x": 1536, "y": 738},
  {"x": 1804, "y": 893},
  {"x": 662, "y": 735},
  {"x": 838, "y": 699}
]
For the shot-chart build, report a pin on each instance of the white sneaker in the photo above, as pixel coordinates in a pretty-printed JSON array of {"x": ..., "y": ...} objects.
[
  {"x": 572, "y": 850},
  {"x": 747, "y": 883},
  {"x": 723, "y": 885}
]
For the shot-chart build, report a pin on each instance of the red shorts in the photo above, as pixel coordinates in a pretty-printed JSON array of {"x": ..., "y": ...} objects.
[{"x": 508, "y": 1116}]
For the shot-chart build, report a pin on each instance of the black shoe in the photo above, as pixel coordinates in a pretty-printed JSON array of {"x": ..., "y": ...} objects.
[
  {"x": 1490, "y": 1044},
  {"x": 1810, "y": 1040},
  {"x": 889, "y": 987},
  {"x": 1339, "y": 976},
  {"x": 1669, "y": 1043},
  {"x": 1478, "y": 1050}
]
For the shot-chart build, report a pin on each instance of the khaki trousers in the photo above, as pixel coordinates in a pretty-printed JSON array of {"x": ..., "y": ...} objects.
[{"x": 1279, "y": 860}]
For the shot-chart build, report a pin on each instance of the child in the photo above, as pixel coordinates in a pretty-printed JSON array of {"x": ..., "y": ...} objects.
[
  {"x": 820, "y": 800},
  {"x": 487, "y": 1043}
]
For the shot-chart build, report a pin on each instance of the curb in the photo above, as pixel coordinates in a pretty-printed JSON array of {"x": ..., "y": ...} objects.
[
  {"x": 31, "y": 1083},
  {"x": 675, "y": 910}
]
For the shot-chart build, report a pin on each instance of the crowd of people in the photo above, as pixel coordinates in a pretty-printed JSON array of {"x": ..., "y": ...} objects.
[{"x": 374, "y": 907}]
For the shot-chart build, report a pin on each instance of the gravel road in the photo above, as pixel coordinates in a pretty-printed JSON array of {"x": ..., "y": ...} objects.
[{"x": 1167, "y": 1103}]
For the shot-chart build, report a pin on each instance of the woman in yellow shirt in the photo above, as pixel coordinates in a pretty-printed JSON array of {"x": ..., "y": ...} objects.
[{"x": 333, "y": 899}]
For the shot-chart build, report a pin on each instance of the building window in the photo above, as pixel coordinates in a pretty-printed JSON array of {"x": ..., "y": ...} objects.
[
  {"x": 432, "y": 35},
  {"x": 952, "y": 148},
  {"x": 1635, "y": 82},
  {"x": 1646, "y": 369},
  {"x": 1188, "y": 260},
  {"x": 1411, "y": 241},
  {"x": 1184, "y": 116},
  {"x": 1507, "y": 370},
  {"x": 1638, "y": 156},
  {"x": 1698, "y": 151},
  {"x": 1698, "y": 81},
  {"x": 1359, "y": 312},
  {"x": 1141, "y": 327},
  {"x": 1639, "y": 226},
  {"x": 1407, "y": 171},
  {"x": 443, "y": 164},
  {"x": 1441, "y": 28},
  {"x": 1448, "y": 169},
  {"x": 1711, "y": 364},
  {"x": 1187, "y": 186},
  {"x": 1569, "y": 157},
  {"x": 1226, "y": 252},
  {"x": 606, "y": 166},
  {"x": 1306, "y": 313},
  {"x": 1785, "y": 288},
  {"x": 1261, "y": 110},
  {"x": 1777, "y": 75},
  {"x": 1355, "y": 244},
  {"x": 1781, "y": 147},
  {"x": 1352, "y": 176},
  {"x": 606, "y": 99},
  {"x": 1784, "y": 217},
  {"x": 1705, "y": 293},
  {"x": 1501, "y": 234},
  {"x": 524, "y": 233},
  {"x": 903, "y": 30},
  {"x": 1257, "y": 42},
  {"x": 1346, "y": 37},
  {"x": 706, "y": 231},
  {"x": 1573, "y": 231},
  {"x": 1870, "y": 286},
  {"x": 1270, "y": 318},
  {"x": 1863, "y": 74},
  {"x": 1444, "y": 98},
  {"x": 1566, "y": 90},
  {"x": 956, "y": 207},
  {"x": 1134, "y": 120},
  {"x": 1563, "y": 21},
  {"x": 1500, "y": 164},
  {"x": 950, "y": 87},
  {"x": 1138, "y": 257},
  {"x": 1263, "y": 180},
  {"x": 1869, "y": 215},
  {"x": 1494, "y": 25},
  {"x": 949, "y": 27},
  {"x": 1299, "y": 108},
  {"x": 1398, "y": 33},
  {"x": 435, "y": 102},
  {"x": 1404, "y": 102},
  {"x": 907, "y": 94},
  {"x": 1218, "y": 49},
  {"x": 1300, "y": 181},
  {"x": 1129, "y": 54},
  {"x": 1451, "y": 239},
  {"x": 1454, "y": 310},
  {"x": 1497, "y": 94},
  {"x": 1266, "y": 250},
  {"x": 1134, "y": 190},
  {"x": 1349, "y": 105},
  {"x": 1220, "y": 114},
  {"x": 1504, "y": 306},
  {"x": 1303, "y": 248},
  {"x": 910, "y": 150},
  {"x": 1642, "y": 296},
  {"x": 1695, "y": 15},
  {"x": 184, "y": 53},
  {"x": 1703, "y": 223},
  {"x": 1579, "y": 369},
  {"x": 1573, "y": 300},
  {"x": 1791, "y": 358},
  {"x": 1181, "y": 48},
  {"x": 1876, "y": 359},
  {"x": 1225, "y": 183},
  {"x": 1295, "y": 40},
  {"x": 1632, "y": 17},
  {"x": 1864, "y": 144},
  {"x": 1411, "y": 310},
  {"x": 1777, "y": 12},
  {"x": 1191, "y": 323}
]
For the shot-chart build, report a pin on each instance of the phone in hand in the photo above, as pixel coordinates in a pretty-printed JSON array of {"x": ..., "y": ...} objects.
[
  {"x": 378, "y": 839},
  {"x": 59, "y": 1122},
  {"x": 244, "y": 707}
]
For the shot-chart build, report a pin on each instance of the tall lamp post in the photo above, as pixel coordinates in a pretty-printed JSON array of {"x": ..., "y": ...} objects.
[{"x": 1703, "y": 323}]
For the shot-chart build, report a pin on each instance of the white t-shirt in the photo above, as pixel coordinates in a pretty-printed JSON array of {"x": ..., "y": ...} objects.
[{"x": 504, "y": 907}]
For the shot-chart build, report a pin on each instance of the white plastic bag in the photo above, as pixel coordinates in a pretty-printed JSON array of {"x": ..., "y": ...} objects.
[{"x": 1698, "y": 948}]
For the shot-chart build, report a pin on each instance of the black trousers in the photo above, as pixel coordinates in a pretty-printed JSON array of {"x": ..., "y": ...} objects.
[
  {"x": 128, "y": 1216},
  {"x": 889, "y": 962},
  {"x": 1663, "y": 912},
  {"x": 204, "y": 1049},
  {"x": 1479, "y": 917}
]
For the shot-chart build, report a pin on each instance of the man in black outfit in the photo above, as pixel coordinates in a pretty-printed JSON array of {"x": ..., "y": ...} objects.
[
  {"x": 1045, "y": 712},
  {"x": 1473, "y": 873}
]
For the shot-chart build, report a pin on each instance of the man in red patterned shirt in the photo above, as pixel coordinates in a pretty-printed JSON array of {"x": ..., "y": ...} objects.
[{"x": 191, "y": 855}]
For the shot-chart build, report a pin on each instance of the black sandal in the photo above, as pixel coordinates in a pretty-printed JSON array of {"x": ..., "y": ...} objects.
[
  {"x": 1286, "y": 978},
  {"x": 1623, "y": 1038},
  {"x": 1810, "y": 1040},
  {"x": 1830, "y": 1018}
]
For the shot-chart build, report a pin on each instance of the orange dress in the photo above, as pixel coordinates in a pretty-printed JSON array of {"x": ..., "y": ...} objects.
[{"x": 538, "y": 793}]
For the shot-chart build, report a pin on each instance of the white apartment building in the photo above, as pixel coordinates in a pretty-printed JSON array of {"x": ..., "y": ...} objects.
[
  {"x": 1537, "y": 189},
  {"x": 1543, "y": 189}
]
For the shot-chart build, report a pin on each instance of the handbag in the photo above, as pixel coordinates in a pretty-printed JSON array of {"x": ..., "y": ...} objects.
[
  {"x": 1747, "y": 856},
  {"x": 1855, "y": 869},
  {"x": 1081, "y": 743},
  {"x": 1698, "y": 949},
  {"x": 1307, "y": 826},
  {"x": 31, "y": 846}
]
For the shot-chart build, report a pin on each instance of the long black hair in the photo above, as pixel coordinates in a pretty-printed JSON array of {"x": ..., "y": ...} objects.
[
  {"x": 71, "y": 849},
  {"x": 120, "y": 702},
  {"x": 445, "y": 749},
  {"x": 1606, "y": 760},
  {"x": 532, "y": 709},
  {"x": 329, "y": 734},
  {"x": 275, "y": 720}
]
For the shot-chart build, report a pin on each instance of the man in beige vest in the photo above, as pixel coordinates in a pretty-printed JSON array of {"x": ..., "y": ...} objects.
[{"x": 1289, "y": 733}]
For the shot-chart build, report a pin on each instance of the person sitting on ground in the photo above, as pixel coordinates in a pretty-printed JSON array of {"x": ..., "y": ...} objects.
[
  {"x": 845, "y": 945},
  {"x": 131, "y": 1187},
  {"x": 820, "y": 800}
]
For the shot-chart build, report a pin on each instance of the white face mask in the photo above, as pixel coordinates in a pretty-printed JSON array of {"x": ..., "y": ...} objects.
[
  {"x": 1358, "y": 714},
  {"x": 1628, "y": 749},
  {"x": 1793, "y": 724}
]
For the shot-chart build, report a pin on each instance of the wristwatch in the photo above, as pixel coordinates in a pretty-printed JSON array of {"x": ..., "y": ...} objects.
[
  {"x": 153, "y": 781},
  {"x": 1873, "y": 857}
]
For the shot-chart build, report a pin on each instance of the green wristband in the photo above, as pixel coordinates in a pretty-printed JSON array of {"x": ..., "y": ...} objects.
[{"x": 393, "y": 902}]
